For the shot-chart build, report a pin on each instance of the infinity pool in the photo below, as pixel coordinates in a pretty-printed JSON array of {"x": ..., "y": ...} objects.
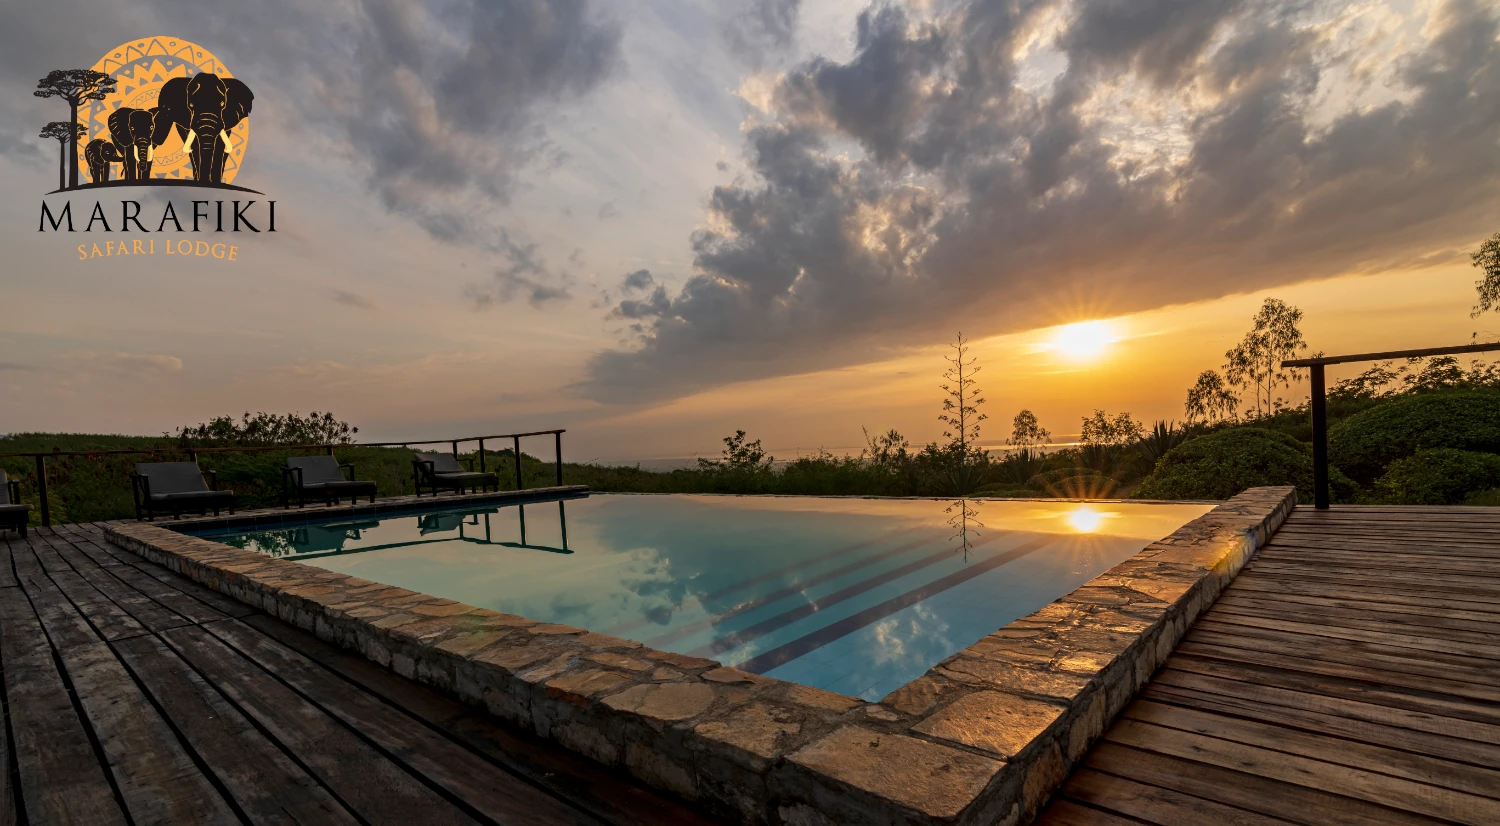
[{"x": 858, "y": 596}]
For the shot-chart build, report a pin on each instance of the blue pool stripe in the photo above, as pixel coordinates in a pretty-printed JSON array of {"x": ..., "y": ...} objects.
[
  {"x": 807, "y": 609},
  {"x": 761, "y": 663},
  {"x": 625, "y": 629},
  {"x": 663, "y": 640}
]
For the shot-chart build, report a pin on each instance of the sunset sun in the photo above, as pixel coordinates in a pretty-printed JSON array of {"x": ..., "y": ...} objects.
[{"x": 1085, "y": 340}]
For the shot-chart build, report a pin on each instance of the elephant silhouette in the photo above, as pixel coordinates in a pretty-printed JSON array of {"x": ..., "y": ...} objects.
[
  {"x": 101, "y": 154},
  {"x": 204, "y": 108},
  {"x": 132, "y": 131}
]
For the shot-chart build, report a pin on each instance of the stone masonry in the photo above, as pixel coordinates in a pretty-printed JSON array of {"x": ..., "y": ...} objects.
[{"x": 983, "y": 738}]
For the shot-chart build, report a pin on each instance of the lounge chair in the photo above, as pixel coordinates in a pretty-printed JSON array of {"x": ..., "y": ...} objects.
[
  {"x": 177, "y": 487},
  {"x": 13, "y": 514},
  {"x": 442, "y": 470},
  {"x": 322, "y": 476}
]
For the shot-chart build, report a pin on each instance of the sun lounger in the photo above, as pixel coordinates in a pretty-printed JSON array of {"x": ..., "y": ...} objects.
[
  {"x": 321, "y": 477},
  {"x": 176, "y": 487},
  {"x": 13, "y": 514},
  {"x": 442, "y": 470}
]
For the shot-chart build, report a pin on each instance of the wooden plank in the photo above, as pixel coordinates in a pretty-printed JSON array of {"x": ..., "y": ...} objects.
[
  {"x": 266, "y": 785},
  {"x": 1068, "y": 813},
  {"x": 223, "y": 604},
  {"x": 141, "y": 606},
  {"x": 1448, "y": 774},
  {"x": 62, "y": 780},
  {"x": 1400, "y": 660},
  {"x": 1154, "y": 804},
  {"x": 572, "y": 777},
  {"x": 7, "y": 576},
  {"x": 1437, "y": 705},
  {"x": 156, "y": 777},
  {"x": 479, "y": 784},
  {"x": 1243, "y": 790},
  {"x": 1359, "y": 710},
  {"x": 1265, "y": 589},
  {"x": 65, "y": 626},
  {"x": 1363, "y": 617},
  {"x": 1336, "y": 725},
  {"x": 1387, "y": 637},
  {"x": 1397, "y": 793},
  {"x": 371, "y": 785}
]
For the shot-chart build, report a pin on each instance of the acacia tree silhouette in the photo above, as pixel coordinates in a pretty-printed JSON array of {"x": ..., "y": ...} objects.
[
  {"x": 75, "y": 86},
  {"x": 64, "y": 133},
  {"x": 1255, "y": 363}
]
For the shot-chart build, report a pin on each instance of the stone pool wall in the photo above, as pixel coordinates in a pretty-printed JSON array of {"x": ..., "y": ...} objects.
[{"x": 984, "y": 737}]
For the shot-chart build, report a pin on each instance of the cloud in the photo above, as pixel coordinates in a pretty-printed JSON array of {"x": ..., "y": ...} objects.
[
  {"x": 16, "y": 367},
  {"x": 349, "y": 299},
  {"x": 129, "y": 365},
  {"x": 637, "y": 281},
  {"x": 608, "y": 211},
  {"x": 1181, "y": 151},
  {"x": 757, "y": 28}
]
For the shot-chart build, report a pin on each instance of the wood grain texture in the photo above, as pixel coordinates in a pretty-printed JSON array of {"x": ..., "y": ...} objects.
[{"x": 1350, "y": 674}]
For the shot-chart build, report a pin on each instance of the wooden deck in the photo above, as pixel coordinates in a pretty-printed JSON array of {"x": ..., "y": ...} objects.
[
  {"x": 132, "y": 695},
  {"x": 1350, "y": 675}
]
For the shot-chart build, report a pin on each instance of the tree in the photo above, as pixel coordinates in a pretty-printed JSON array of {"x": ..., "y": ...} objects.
[
  {"x": 76, "y": 86},
  {"x": 1027, "y": 433},
  {"x": 1103, "y": 431},
  {"x": 1255, "y": 363},
  {"x": 1210, "y": 400},
  {"x": 739, "y": 455},
  {"x": 964, "y": 463},
  {"x": 65, "y": 134},
  {"x": 1487, "y": 259}
]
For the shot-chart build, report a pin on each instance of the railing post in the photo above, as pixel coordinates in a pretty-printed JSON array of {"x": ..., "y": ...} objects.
[
  {"x": 559, "y": 458},
  {"x": 41, "y": 489},
  {"x": 1319, "y": 404},
  {"x": 481, "y": 456},
  {"x": 455, "y": 450},
  {"x": 519, "y": 483},
  {"x": 330, "y": 450}
]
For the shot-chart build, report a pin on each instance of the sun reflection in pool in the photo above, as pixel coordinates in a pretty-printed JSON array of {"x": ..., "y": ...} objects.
[{"x": 1085, "y": 519}]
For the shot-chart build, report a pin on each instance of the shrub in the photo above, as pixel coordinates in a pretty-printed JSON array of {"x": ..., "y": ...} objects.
[
  {"x": 1364, "y": 444},
  {"x": 1223, "y": 464},
  {"x": 1442, "y": 476}
]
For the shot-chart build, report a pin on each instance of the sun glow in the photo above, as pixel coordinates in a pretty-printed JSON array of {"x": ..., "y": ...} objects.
[
  {"x": 1085, "y": 519},
  {"x": 1084, "y": 340}
]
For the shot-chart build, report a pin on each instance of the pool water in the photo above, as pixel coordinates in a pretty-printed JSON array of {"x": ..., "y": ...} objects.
[{"x": 858, "y": 596}]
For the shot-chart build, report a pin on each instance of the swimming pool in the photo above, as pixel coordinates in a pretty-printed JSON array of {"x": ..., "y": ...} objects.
[{"x": 857, "y": 596}]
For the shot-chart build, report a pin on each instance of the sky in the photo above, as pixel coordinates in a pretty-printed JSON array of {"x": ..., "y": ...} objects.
[{"x": 654, "y": 222}]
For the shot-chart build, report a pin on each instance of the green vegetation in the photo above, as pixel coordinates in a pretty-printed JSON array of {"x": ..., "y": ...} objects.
[
  {"x": 1364, "y": 444},
  {"x": 1222, "y": 464},
  {"x": 1439, "y": 477}
]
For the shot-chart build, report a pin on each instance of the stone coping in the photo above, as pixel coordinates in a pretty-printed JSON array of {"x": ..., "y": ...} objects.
[
  {"x": 272, "y": 518},
  {"x": 984, "y": 737}
]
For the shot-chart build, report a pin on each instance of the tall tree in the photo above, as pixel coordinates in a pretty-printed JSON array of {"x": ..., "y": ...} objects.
[
  {"x": 76, "y": 86},
  {"x": 1255, "y": 363},
  {"x": 1027, "y": 432},
  {"x": 66, "y": 134},
  {"x": 1487, "y": 259},
  {"x": 1210, "y": 400},
  {"x": 961, "y": 407}
]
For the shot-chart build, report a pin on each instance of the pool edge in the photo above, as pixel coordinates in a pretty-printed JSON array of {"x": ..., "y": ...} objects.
[{"x": 985, "y": 736}]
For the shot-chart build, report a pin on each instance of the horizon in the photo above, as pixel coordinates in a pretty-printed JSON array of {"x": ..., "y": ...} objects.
[{"x": 670, "y": 222}]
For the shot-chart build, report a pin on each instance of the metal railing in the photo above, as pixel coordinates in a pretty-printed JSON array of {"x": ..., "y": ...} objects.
[
  {"x": 1319, "y": 400},
  {"x": 193, "y": 452}
]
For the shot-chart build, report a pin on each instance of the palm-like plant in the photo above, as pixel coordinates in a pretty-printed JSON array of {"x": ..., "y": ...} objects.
[{"x": 1162, "y": 437}]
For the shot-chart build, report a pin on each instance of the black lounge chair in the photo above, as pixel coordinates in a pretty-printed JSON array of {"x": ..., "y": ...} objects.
[
  {"x": 177, "y": 487},
  {"x": 322, "y": 476},
  {"x": 13, "y": 514},
  {"x": 442, "y": 470}
]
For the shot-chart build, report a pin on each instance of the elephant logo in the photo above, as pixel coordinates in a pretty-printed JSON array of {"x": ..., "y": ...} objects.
[
  {"x": 101, "y": 154},
  {"x": 165, "y": 109}
]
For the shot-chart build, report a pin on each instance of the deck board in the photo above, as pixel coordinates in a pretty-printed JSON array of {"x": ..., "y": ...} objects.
[
  {"x": 133, "y": 695},
  {"x": 1350, "y": 674}
]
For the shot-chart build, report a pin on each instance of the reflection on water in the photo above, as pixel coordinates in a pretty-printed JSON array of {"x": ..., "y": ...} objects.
[{"x": 851, "y": 595}]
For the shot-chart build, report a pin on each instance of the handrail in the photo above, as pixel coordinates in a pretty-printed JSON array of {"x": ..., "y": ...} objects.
[
  {"x": 1318, "y": 400},
  {"x": 192, "y": 452}
]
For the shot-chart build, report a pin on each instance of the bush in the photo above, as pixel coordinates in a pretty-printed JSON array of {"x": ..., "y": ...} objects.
[
  {"x": 1223, "y": 464},
  {"x": 1438, "y": 477},
  {"x": 1365, "y": 444}
]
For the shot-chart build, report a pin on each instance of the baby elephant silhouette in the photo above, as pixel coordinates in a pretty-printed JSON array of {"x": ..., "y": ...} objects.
[{"x": 100, "y": 154}]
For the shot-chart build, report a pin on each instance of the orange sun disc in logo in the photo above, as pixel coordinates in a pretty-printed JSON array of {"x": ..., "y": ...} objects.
[{"x": 140, "y": 68}]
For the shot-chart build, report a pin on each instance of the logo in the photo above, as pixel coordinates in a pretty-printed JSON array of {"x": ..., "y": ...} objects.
[{"x": 153, "y": 112}]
